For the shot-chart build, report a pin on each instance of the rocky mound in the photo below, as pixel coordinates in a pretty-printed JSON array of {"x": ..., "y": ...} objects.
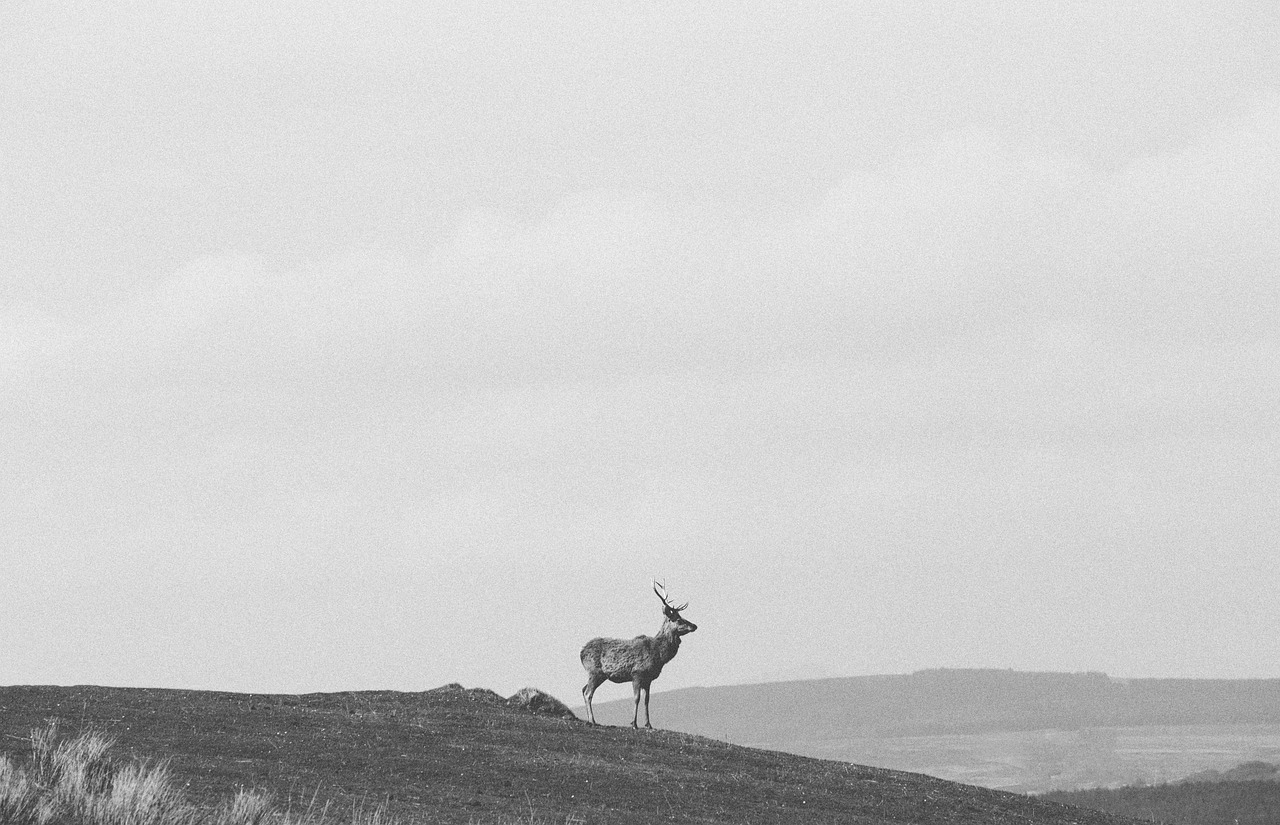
[{"x": 536, "y": 701}]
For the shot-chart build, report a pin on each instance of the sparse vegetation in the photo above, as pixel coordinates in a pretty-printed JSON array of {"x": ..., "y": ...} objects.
[{"x": 78, "y": 782}]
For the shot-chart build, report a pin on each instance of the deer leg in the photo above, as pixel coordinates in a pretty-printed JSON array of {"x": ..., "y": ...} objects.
[
  {"x": 589, "y": 690},
  {"x": 647, "y": 723},
  {"x": 635, "y": 717}
]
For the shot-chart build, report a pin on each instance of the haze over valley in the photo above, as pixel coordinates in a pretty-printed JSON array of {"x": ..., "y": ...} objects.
[{"x": 999, "y": 728}]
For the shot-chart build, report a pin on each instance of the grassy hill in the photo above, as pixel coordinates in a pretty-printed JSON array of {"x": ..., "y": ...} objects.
[{"x": 453, "y": 755}]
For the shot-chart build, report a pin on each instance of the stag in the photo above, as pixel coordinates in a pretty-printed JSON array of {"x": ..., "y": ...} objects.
[{"x": 638, "y": 660}]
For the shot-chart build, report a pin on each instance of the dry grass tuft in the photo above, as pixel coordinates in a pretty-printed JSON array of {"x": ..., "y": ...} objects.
[{"x": 77, "y": 782}]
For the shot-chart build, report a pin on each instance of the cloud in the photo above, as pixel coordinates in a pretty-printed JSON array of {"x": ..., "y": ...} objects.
[
  {"x": 377, "y": 373},
  {"x": 961, "y": 247},
  {"x": 1182, "y": 239},
  {"x": 140, "y": 140}
]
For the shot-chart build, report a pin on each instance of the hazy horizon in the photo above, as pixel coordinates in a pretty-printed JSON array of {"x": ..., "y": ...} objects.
[
  {"x": 388, "y": 345},
  {"x": 611, "y": 693}
]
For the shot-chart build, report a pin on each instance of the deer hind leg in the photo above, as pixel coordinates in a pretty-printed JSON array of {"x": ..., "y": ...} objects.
[{"x": 594, "y": 680}]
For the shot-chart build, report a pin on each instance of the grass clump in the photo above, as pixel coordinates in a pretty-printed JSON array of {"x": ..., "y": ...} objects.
[{"x": 78, "y": 782}]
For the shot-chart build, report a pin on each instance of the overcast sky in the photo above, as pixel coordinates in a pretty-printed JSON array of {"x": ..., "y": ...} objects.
[{"x": 384, "y": 345}]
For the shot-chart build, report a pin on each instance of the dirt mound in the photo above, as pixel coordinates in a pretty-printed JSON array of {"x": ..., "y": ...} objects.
[
  {"x": 537, "y": 701},
  {"x": 483, "y": 695}
]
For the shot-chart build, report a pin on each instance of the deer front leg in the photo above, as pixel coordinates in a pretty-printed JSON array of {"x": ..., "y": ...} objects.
[
  {"x": 635, "y": 717},
  {"x": 647, "y": 723}
]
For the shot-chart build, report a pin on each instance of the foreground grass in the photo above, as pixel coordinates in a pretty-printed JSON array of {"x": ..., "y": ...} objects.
[{"x": 78, "y": 782}]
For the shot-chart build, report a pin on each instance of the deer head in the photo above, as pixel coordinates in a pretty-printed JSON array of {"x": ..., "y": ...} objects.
[{"x": 678, "y": 624}]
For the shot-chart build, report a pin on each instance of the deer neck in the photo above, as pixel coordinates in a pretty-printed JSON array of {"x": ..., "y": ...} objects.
[{"x": 667, "y": 641}]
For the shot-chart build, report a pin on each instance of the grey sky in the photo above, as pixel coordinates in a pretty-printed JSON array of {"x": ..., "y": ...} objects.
[{"x": 377, "y": 345}]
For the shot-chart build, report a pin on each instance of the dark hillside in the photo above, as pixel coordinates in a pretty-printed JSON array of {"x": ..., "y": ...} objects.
[
  {"x": 453, "y": 755},
  {"x": 1186, "y": 803}
]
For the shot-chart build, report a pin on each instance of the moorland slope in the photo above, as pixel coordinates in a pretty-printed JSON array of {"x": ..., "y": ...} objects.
[{"x": 454, "y": 755}]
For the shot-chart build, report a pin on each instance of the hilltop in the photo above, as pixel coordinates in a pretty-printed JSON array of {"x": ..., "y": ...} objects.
[{"x": 455, "y": 755}]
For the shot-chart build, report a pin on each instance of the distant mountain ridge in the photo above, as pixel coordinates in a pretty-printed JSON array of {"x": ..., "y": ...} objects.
[
  {"x": 1255, "y": 771},
  {"x": 947, "y": 701}
]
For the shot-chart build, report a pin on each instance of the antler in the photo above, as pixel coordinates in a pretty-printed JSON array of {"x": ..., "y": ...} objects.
[{"x": 663, "y": 587}]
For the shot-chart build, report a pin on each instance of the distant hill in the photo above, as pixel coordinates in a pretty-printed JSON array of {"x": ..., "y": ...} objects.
[
  {"x": 1027, "y": 732},
  {"x": 1247, "y": 794},
  {"x": 1256, "y": 771},
  {"x": 941, "y": 702},
  {"x": 469, "y": 756},
  {"x": 1254, "y": 802}
]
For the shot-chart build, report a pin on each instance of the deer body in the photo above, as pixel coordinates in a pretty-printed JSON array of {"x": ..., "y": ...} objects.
[{"x": 638, "y": 661}]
